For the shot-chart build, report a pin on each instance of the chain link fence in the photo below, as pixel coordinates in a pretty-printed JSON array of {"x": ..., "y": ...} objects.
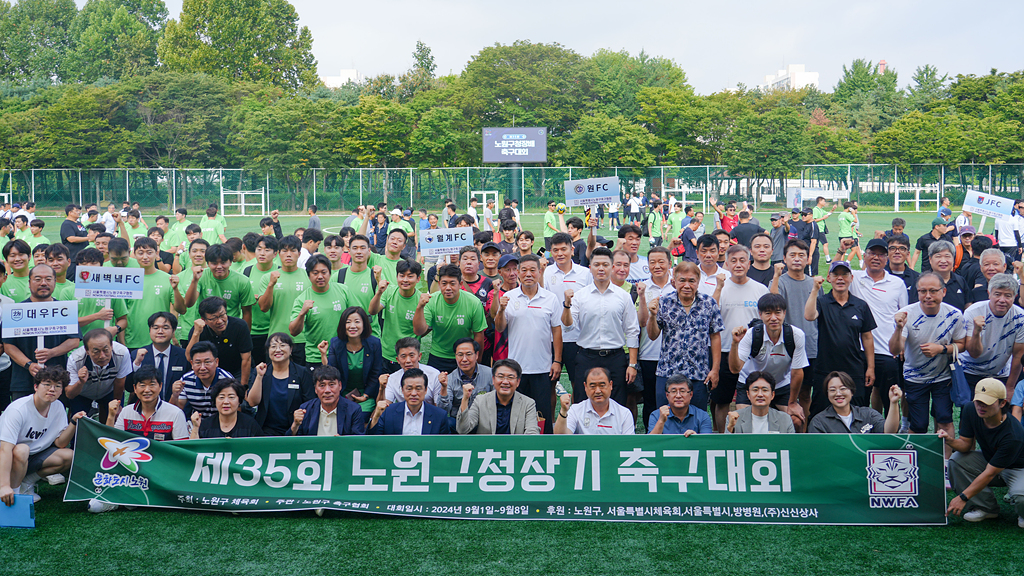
[{"x": 882, "y": 186}]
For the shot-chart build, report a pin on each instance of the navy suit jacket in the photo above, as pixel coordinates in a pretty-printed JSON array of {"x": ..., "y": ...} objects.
[
  {"x": 299, "y": 375},
  {"x": 391, "y": 422},
  {"x": 350, "y": 418},
  {"x": 373, "y": 363},
  {"x": 177, "y": 366}
]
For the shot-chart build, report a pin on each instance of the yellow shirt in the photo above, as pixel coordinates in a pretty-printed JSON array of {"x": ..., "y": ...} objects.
[{"x": 328, "y": 423}]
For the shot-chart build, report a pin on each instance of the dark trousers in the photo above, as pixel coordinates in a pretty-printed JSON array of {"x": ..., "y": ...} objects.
[
  {"x": 1013, "y": 253},
  {"x": 814, "y": 263},
  {"x": 443, "y": 364},
  {"x": 569, "y": 352},
  {"x": 299, "y": 354},
  {"x": 391, "y": 367},
  {"x": 887, "y": 374},
  {"x": 649, "y": 373},
  {"x": 547, "y": 243},
  {"x": 539, "y": 387},
  {"x": 259, "y": 351},
  {"x": 614, "y": 361},
  {"x": 82, "y": 404},
  {"x": 5, "y": 389}
]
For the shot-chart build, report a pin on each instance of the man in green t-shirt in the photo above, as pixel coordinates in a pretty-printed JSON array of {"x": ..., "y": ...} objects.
[
  {"x": 820, "y": 213},
  {"x": 359, "y": 277},
  {"x": 316, "y": 312},
  {"x": 266, "y": 251},
  {"x": 279, "y": 289},
  {"x": 110, "y": 313},
  {"x": 196, "y": 256},
  {"x": 848, "y": 234},
  {"x": 19, "y": 261},
  {"x": 392, "y": 250},
  {"x": 675, "y": 220},
  {"x": 221, "y": 281},
  {"x": 451, "y": 314},
  {"x": 176, "y": 234},
  {"x": 159, "y": 294},
  {"x": 655, "y": 229},
  {"x": 36, "y": 237},
  {"x": 213, "y": 226},
  {"x": 58, "y": 257},
  {"x": 398, "y": 303},
  {"x": 551, "y": 226}
]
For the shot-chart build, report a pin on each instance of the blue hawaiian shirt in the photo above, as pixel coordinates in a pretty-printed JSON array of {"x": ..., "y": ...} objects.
[{"x": 686, "y": 337}]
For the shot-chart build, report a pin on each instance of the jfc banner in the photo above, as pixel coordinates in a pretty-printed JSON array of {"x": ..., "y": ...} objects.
[{"x": 763, "y": 479}]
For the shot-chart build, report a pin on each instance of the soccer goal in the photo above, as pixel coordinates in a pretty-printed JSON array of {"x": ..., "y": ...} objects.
[{"x": 247, "y": 202}]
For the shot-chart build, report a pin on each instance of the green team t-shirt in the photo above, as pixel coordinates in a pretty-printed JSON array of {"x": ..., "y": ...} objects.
[
  {"x": 388, "y": 268},
  {"x": 552, "y": 219},
  {"x": 846, "y": 225},
  {"x": 23, "y": 234},
  {"x": 235, "y": 290},
  {"x": 360, "y": 291},
  {"x": 34, "y": 241},
  {"x": 212, "y": 229},
  {"x": 676, "y": 220},
  {"x": 321, "y": 321},
  {"x": 157, "y": 296},
  {"x": 90, "y": 306},
  {"x": 16, "y": 288},
  {"x": 137, "y": 231},
  {"x": 403, "y": 225},
  {"x": 654, "y": 224},
  {"x": 65, "y": 291},
  {"x": 240, "y": 266},
  {"x": 288, "y": 287},
  {"x": 450, "y": 322},
  {"x": 398, "y": 312},
  {"x": 260, "y": 319},
  {"x": 186, "y": 320},
  {"x": 176, "y": 234}
]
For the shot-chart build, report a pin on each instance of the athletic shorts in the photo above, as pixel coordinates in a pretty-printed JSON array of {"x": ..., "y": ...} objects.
[
  {"x": 918, "y": 395},
  {"x": 35, "y": 461}
]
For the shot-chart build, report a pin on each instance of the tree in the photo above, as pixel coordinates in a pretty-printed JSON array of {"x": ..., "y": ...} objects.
[
  {"x": 621, "y": 77},
  {"x": 114, "y": 39},
  {"x": 424, "y": 59},
  {"x": 241, "y": 39},
  {"x": 769, "y": 145},
  {"x": 600, "y": 141},
  {"x": 869, "y": 98},
  {"x": 76, "y": 131},
  {"x": 671, "y": 116},
  {"x": 920, "y": 138},
  {"x": 379, "y": 135},
  {"x": 34, "y": 37},
  {"x": 440, "y": 138},
  {"x": 927, "y": 87}
]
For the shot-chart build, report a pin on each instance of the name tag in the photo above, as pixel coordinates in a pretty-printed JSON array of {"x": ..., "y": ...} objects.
[
  {"x": 293, "y": 386},
  {"x": 158, "y": 437},
  {"x": 176, "y": 368}
]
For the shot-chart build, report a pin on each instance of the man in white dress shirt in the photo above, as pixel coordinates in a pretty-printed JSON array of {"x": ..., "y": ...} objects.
[
  {"x": 607, "y": 322},
  {"x": 598, "y": 414},
  {"x": 566, "y": 275}
]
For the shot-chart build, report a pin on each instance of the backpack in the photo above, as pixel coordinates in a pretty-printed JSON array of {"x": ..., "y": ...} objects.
[
  {"x": 757, "y": 337},
  {"x": 643, "y": 226}
]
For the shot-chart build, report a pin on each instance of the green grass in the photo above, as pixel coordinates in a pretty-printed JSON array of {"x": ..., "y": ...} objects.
[{"x": 69, "y": 540}]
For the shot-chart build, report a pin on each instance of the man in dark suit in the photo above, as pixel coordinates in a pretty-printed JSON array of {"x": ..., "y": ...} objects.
[
  {"x": 329, "y": 413},
  {"x": 170, "y": 361},
  {"x": 412, "y": 417}
]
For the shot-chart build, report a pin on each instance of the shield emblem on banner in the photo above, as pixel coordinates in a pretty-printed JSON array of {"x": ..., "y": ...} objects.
[
  {"x": 84, "y": 275},
  {"x": 16, "y": 315}
]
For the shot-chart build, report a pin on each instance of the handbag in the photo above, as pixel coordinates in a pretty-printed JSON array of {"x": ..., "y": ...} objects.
[{"x": 961, "y": 392}]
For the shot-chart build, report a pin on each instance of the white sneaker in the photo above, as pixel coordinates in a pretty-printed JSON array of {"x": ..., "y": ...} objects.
[
  {"x": 320, "y": 512},
  {"x": 56, "y": 479},
  {"x": 1020, "y": 522},
  {"x": 979, "y": 515},
  {"x": 29, "y": 488},
  {"x": 99, "y": 507}
]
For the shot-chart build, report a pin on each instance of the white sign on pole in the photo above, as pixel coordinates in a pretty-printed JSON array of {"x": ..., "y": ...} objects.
[
  {"x": 592, "y": 191},
  {"x": 988, "y": 205},
  {"x": 100, "y": 282},
  {"x": 40, "y": 319},
  {"x": 444, "y": 241}
]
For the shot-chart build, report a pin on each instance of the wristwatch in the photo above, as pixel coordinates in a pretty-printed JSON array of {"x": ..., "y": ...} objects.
[{"x": 635, "y": 366}]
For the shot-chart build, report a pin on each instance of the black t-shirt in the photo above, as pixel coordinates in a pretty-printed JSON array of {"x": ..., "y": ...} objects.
[
  {"x": 762, "y": 276},
  {"x": 958, "y": 294},
  {"x": 839, "y": 331},
  {"x": 744, "y": 232},
  {"x": 909, "y": 277},
  {"x": 803, "y": 231},
  {"x": 234, "y": 342},
  {"x": 68, "y": 229},
  {"x": 923, "y": 243},
  {"x": 506, "y": 247},
  {"x": 1002, "y": 446},
  {"x": 168, "y": 258},
  {"x": 245, "y": 427},
  {"x": 506, "y": 214},
  {"x": 690, "y": 249},
  {"x": 579, "y": 253}
]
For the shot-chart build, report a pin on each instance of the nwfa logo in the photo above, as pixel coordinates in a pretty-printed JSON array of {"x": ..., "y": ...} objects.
[{"x": 892, "y": 478}]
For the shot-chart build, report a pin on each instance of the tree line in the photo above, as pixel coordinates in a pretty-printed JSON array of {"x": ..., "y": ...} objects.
[{"x": 233, "y": 83}]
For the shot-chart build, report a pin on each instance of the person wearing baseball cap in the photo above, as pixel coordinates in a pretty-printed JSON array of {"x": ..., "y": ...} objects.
[
  {"x": 925, "y": 242},
  {"x": 844, "y": 324},
  {"x": 964, "y": 251},
  {"x": 1000, "y": 462}
]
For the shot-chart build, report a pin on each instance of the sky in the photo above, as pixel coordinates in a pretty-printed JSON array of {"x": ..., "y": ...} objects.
[{"x": 719, "y": 44}]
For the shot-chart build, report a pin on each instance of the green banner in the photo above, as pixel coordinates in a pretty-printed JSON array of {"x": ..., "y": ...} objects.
[{"x": 771, "y": 479}]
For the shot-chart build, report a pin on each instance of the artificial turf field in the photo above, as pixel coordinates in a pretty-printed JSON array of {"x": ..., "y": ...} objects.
[{"x": 69, "y": 540}]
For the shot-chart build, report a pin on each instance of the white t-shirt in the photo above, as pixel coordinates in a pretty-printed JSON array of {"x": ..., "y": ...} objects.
[
  {"x": 885, "y": 298},
  {"x": 613, "y": 208},
  {"x": 651, "y": 349},
  {"x": 960, "y": 222},
  {"x": 708, "y": 282},
  {"x": 393, "y": 392},
  {"x": 639, "y": 271},
  {"x": 583, "y": 419},
  {"x": 108, "y": 220},
  {"x": 943, "y": 328},
  {"x": 21, "y": 423},
  {"x": 739, "y": 306},
  {"x": 847, "y": 420},
  {"x": 997, "y": 340},
  {"x": 557, "y": 282},
  {"x": 472, "y": 212},
  {"x": 759, "y": 424},
  {"x": 1004, "y": 229},
  {"x": 772, "y": 357},
  {"x": 529, "y": 328}
]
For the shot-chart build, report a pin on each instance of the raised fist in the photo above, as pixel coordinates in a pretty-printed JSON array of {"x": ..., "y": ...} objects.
[
  {"x": 780, "y": 268},
  {"x": 177, "y": 387},
  {"x": 737, "y": 334},
  {"x": 565, "y": 401},
  {"x": 720, "y": 279},
  {"x": 139, "y": 355},
  {"x": 979, "y": 323},
  {"x": 467, "y": 390},
  {"x": 199, "y": 325},
  {"x": 382, "y": 285},
  {"x": 818, "y": 281},
  {"x": 323, "y": 346},
  {"x": 299, "y": 415},
  {"x": 274, "y": 276},
  {"x": 83, "y": 374},
  {"x": 115, "y": 408},
  {"x": 424, "y": 298},
  {"x": 568, "y": 297},
  {"x": 197, "y": 273},
  {"x": 174, "y": 281},
  {"x": 307, "y": 305},
  {"x": 901, "y": 319},
  {"x": 197, "y": 419},
  {"x": 261, "y": 369}
]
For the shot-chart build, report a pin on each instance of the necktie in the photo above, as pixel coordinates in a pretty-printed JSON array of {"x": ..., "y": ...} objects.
[{"x": 160, "y": 365}]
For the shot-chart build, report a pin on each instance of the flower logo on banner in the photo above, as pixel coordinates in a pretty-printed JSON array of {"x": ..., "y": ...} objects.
[{"x": 128, "y": 453}]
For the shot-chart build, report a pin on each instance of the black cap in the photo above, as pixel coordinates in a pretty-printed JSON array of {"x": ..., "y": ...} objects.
[
  {"x": 605, "y": 242},
  {"x": 877, "y": 243},
  {"x": 490, "y": 245}
]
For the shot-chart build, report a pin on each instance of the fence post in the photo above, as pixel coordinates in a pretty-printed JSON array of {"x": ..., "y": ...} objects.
[
  {"x": 314, "y": 185},
  {"x": 361, "y": 188},
  {"x": 896, "y": 186},
  {"x": 174, "y": 190},
  {"x": 410, "y": 188}
]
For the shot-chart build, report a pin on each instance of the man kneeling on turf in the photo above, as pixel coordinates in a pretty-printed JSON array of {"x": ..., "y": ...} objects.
[{"x": 34, "y": 435}]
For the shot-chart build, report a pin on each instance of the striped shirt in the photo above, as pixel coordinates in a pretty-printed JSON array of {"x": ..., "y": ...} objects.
[
  {"x": 198, "y": 396},
  {"x": 942, "y": 328}
]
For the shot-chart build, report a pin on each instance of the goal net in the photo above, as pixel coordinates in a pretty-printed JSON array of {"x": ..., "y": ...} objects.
[{"x": 243, "y": 202}]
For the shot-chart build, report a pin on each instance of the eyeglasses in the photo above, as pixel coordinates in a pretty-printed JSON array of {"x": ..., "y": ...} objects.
[
  {"x": 928, "y": 290},
  {"x": 898, "y": 249}
]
